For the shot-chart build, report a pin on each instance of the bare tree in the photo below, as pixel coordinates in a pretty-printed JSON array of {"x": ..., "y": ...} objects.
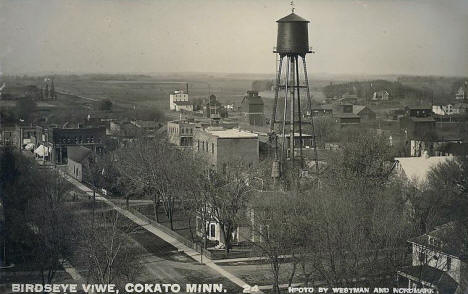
[
  {"x": 272, "y": 217},
  {"x": 229, "y": 201},
  {"x": 51, "y": 222},
  {"x": 154, "y": 168},
  {"x": 110, "y": 256}
]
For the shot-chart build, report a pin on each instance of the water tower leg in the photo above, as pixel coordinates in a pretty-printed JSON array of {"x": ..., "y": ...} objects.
[
  {"x": 299, "y": 113},
  {"x": 291, "y": 135},
  {"x": 309, "y": 102},
  {"x": 285, "y": 114},
  {"x": 275, "y": 102}
]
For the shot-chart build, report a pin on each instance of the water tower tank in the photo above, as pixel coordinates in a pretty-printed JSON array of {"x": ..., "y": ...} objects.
[{"x": 293, "y": 35}]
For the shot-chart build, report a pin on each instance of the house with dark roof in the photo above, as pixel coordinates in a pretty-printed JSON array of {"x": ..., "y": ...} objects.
[
  {"x": 439, "y": 261},
  {"x": 343, "y": 115},
  {"x": 418, "y": 122},
  {"x": 78, "y": 161},
  {"x": 364, "y": 112}
]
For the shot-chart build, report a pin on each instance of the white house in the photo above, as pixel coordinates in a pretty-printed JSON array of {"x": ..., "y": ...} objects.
[
  {"x": 438, "y": 262},
  {"x": 448, "y": 109},
  {"x": 177, "y": 96},
  {"x": 380, "y": 95}
]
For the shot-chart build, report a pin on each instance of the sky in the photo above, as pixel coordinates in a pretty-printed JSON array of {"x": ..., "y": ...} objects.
[{"x": 416, "y": 37}]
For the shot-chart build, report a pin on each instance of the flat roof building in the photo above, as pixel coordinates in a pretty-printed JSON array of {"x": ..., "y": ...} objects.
[{"x": 220, "y": 147}]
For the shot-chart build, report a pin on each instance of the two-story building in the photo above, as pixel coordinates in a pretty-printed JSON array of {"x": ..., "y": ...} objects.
[
  {"x": 418, "y": 122},
  {"x": 220, "y": 147},
  {"x": 58, "y": 139},
  {"x": 439, "y": 261},
  {"x": 180, "y": 132},
  {"x": 177, "y": 96}
]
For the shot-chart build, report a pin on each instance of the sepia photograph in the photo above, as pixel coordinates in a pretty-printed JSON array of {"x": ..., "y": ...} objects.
[{"x": 234, "y": 146}]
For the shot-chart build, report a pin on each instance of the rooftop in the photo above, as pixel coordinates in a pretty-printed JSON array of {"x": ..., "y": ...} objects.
[
  {"x": 441, "y": 279},
  {"x": 358, "y": 108},
  {"x": 231, "y": 133},
  {"x": 78, "y": 153},
  {"x": 292, "y": 18},
  {"x": 417, "y": 168},
  {"x": 446, "y": 238}
]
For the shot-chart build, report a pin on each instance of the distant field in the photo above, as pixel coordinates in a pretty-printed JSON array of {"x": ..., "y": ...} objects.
[
  {"x": 12, "y": 103},
  {"x": 155, "y": 93}
]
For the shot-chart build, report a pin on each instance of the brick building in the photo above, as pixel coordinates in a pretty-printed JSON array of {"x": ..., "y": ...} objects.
[
  {"x": 219, "y": 146},
  {"x": 58, "y": 139}
]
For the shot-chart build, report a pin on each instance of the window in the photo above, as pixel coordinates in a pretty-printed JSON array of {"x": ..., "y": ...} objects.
[
  {"x": 449, "y": 263},
  {"x": 198, "y": 145},
  {"x": 212, "y": 148},
  {"x": 212, "y": 230}
]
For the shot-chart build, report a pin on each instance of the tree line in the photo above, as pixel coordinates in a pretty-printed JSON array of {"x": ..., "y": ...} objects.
[{"x": 46, "y": 227}]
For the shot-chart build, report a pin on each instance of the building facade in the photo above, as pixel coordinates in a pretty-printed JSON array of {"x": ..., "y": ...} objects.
[
  {"x": 58, "y": 139},
  {"x": 252, "y": 108},
  {"x": 177, "y": 96},
  {"x": 78, "y": 161},
  {"x": 221, "y": 147},
  {"x": 180, "y": 132},
  {"x": 364, "y": 112},
  {"x": 438, "y": 262}
]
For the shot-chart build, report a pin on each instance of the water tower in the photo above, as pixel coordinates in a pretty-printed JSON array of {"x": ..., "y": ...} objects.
[{"x": 286, "y": 120}]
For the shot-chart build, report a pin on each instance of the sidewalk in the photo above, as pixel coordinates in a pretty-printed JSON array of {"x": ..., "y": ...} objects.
[
  {"x": 152, "y": 229},
  {"x": 247, "y": 259}
]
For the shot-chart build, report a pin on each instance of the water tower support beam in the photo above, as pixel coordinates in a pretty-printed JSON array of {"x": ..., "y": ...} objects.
[
  {"x": 309, "y": 102},
  {"x": 299, "y": 113},
  {"x": 275, "y": 102},
  {"x": 293, "y": 92},
  {"x": 288, "y": 59}
]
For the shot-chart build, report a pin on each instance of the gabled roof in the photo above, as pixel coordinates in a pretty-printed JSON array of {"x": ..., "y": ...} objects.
[
  {"x": 292, "y": 18},
  {"x": 446, "y": 238},
  {"x": 78, "y": 153},
  {"x": 417, "y": 168},
  {"x": 444, "y": 283},
  {"x": 358, "y": 108}
]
